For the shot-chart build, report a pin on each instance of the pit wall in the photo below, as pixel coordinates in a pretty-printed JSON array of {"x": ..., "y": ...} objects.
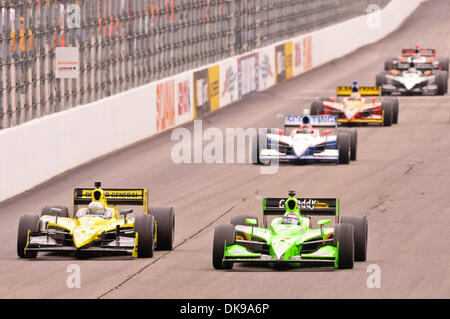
[{"x": 43, "y": 148}]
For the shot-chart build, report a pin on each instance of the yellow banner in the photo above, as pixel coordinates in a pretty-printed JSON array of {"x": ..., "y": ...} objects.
[
  {"x": 288, "y": 59},
  {"x": 214, "y": 87}
]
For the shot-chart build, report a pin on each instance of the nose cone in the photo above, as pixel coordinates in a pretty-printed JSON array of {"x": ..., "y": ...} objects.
[
  {"x": 350, "y": 112},
  {"x": 281, "y": 244},
  {"x": 301, "y": 144},
  {"x": 84, "y": 235}
]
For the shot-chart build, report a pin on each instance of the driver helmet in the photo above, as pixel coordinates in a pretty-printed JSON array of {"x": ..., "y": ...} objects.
[
  {"x": 306, "y": 129},
  {"x": 290, "y": 219},
  {"x": 96, "y": 208},
  {"x": 412, "y": 68},
  {"x": 355, "y": 96}
]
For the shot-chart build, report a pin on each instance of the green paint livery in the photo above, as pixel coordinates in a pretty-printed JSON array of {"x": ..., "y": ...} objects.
[{"x": 295, "y": 245}]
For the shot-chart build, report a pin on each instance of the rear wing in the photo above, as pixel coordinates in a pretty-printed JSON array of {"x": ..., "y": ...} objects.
[
  {"x": 114, "y": 196},
  {"x": 313, "y": 120},
  {"x": 363, "y": 90},
  {"x": 424, "y": 52},
  {"x": 308, "y": 207}
]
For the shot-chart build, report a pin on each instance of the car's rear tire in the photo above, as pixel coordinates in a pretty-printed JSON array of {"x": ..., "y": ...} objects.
[
  {"x": 344, "y": 240},
  {"x": 443, "y": 64},
  {"x": 380, "y": 79},
  {"x": 165, "y": 227},
  {"x": 240, "y": 220},
  {"x": 389, "y": 64},
  {"x": 361, "y": 226},
  {"x": 224, "y": 235},
  {"x": 144, "y": 225},
  {"x": 343, "y": 144},
  {"x": 26, "y": 223},
  {"x": 316, "y": 107},
  {"x": 441, "y": 81},
  {"x": 387, "y": 109},
  {"x": 47, "y": 210}
]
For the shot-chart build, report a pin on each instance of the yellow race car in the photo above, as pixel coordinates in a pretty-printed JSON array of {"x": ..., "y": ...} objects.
[
  {"x": 98, "y": 226},
  {"x": 355, "y": 104}
]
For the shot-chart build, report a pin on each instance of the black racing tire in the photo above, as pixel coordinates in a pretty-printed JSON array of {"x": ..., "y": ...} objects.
[
  {"x": 47, "y": 210},
  {"x": 259, "y": 142},
  {"x": 353, "y": 142},
  {"x": 388, "y": 110},
  {"x": 240, "y": 220},
  {"x": 380, "y": 79},
  {"x": 224, "y": 235},
  {"x": 389, "y": 64},
  {"x": 361, "y": 226},
  {"x": 144, "y": 225},
  {"x": 395, "y": 109},
  {"x": 443, "y": 64},
  {"x": 316, "y": 107},
  {"x": 26, "y": 223},
  {"x": 344, "y": 239},
  {"x": 343, "y": 145},
  {"x": 441, "y": 81},
  {"x": 165, "y": 227}
]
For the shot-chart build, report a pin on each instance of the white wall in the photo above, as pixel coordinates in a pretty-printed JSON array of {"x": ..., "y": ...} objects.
[{"x": 43, "y": 148}]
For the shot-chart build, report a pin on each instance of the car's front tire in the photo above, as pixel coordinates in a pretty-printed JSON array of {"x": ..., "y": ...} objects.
[
  {"x": 441, "y": 81},
  {"x": 343, "y": 144},
  {"x": 144, "y": 225},
  {"x": 361, "y": 226},
  {"x": 165, "y": 227},
  {"x": 26, "y": 223},
  {"x": 395, "y": 109},
  {"x": 224, "y": 235},
  {"x": 388, "y": 112},
  {"x": 353, "y": 142},
  {"x": 344, "y": 240},
  {"x": 259, "y": 142}
]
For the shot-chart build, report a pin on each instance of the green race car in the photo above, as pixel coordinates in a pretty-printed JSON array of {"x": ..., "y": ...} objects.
[{"x": 291, "y": 240}]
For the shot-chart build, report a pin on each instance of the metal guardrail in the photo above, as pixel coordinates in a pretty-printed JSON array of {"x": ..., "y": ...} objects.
[{"x": 127, "y": 43}]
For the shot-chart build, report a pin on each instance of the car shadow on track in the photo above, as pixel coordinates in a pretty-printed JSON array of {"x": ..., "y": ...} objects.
[
  {"x": 84, "y": 256},
  {"x": 243, "y": 267}
]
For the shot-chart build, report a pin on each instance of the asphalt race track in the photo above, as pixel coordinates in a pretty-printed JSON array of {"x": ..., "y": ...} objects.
[{"x": 401, "y": 181}]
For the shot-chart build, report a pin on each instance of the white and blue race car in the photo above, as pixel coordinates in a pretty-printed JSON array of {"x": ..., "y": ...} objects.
[{"x": 305, "y": 142}]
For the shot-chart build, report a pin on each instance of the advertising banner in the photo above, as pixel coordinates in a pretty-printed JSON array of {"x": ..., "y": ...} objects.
[
  {"x": 248, "y": 74},
  {"x": 280, "y": 62},
  {"x": 267, "y": 68},
  {"x": 214, "y": 87},
  {"x": 288, "y": 56},
  {"x": 298, "y": 57},
  {"x": 307, "y": 53},
  {"x": 67, "y": 63},
  {"x": 201, "y": 93},
  {"x": 228, "y": 81},
  {"x": 183, "y": 98},
  {"x": 165, "y": 105}
]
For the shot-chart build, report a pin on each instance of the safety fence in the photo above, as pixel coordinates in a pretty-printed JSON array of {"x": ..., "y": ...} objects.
[{"x": 123, "y": 44}]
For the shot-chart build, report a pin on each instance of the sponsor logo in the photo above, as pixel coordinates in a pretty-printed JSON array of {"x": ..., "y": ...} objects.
[
  {"x": 306, "y": 204},
  {"x": 115, "y": 194}
]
